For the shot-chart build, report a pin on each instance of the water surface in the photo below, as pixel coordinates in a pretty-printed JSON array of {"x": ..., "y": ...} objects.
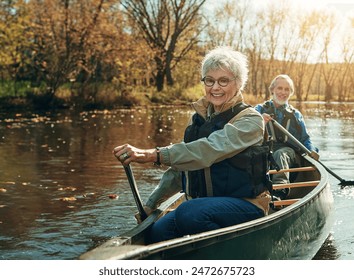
[{"x": 62, "y": 192}]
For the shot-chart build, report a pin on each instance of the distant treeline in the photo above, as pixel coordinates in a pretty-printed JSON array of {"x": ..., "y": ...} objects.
[{"x": 106, "y": 52}]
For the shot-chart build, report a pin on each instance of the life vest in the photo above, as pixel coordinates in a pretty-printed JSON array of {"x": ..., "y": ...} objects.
[
  {"x": 289, "y": 122},
  {"x": 243, "y": 175}
]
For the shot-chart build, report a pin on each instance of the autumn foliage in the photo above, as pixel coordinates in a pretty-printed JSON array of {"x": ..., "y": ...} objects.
[{"x": 114, "y": 52}]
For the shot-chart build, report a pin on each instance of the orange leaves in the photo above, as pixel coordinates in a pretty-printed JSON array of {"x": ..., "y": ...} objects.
[
  {"x": 67, "y": 189},
  {"x": 72, "y": 198},
  {"x": 68, "y": 198},
  {"x": 113, "y": 196},
  {"x": 88, "y": 195}
]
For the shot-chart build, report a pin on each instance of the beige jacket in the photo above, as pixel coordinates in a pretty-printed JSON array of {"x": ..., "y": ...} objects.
[{"x": 244, "y": 130}]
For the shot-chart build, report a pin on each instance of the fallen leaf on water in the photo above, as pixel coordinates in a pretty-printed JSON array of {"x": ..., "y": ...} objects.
[
  {"x": 89, "y": 194},
  {"x": 67, "y": 198},
  {"x": 67, "y": 189}
]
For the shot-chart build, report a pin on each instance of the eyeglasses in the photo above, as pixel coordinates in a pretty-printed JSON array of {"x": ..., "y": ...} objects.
[{"x": 223, "y": 82}]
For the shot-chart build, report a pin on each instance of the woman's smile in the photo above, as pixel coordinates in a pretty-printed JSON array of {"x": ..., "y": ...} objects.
[{"x": 218, "y": 94}]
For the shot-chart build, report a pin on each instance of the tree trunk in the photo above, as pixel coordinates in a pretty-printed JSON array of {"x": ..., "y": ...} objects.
[
  {"x": 159, "y": 80},
  {"x": 328, "y": 93},
  {"x": 160, "y": 74},
  {"x": 169, "y": 78}
]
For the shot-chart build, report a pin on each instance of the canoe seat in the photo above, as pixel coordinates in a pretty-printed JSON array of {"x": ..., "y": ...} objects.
[
  {"x": 285, "y": 202},
  {"x": 279, "y": 204},
  {"x": 296, "y": 185},
  {"x": 297, "y": 169}
]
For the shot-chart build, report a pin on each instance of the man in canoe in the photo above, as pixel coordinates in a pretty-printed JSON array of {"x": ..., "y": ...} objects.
[
  {"x": 279, "y": 109},
  {"x": 225, "y": 183}
]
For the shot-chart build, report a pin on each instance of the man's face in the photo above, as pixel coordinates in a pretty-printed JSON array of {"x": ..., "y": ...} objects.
[{"x": 281, "y": 92}]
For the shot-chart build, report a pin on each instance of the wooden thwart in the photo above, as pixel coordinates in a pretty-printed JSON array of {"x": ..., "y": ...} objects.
[
  {"x": 296, "y": 185},
  {"x": 298, "y": 169},
  {"x": 285, "y": 202}
]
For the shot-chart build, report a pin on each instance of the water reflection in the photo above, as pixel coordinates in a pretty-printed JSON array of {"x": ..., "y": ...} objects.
[
  {"x": 328, "y": 250},
  {"x": 58, "y": 174}
]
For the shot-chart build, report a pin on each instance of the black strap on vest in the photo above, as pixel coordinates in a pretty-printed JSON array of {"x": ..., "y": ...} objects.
[
  {"x": 289, "y": 114},
  {"x": 201, "y": 127}
]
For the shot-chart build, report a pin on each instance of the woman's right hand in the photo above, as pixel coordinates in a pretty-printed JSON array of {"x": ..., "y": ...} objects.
[{"x": 127, "y": 153}]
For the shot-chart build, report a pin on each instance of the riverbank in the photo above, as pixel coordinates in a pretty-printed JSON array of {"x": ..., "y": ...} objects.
[{"x": 44, "y": 103}]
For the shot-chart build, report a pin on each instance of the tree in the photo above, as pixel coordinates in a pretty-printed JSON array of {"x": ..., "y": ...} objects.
[
  {"x": 329, "y": 70},
  {"x": 229, "y": 24},
  {"x": 273, "y": 18},
  {"x": 170, "y": 30},
  {"x": 345, "y": 78},
  {"x": 72, "y": 41},
  {"x": 302, "y": 55},
  {"x": 14, "y": 38}
]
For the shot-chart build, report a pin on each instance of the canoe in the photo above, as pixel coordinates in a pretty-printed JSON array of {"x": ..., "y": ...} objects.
[{"x": 295, "y": 229}]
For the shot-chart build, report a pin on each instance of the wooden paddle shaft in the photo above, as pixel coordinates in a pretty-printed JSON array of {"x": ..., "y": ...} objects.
[
  {"x": 280, "y": 127},
  {"x": 300, "y": 145},
  {"x": 135, "y": 191}
]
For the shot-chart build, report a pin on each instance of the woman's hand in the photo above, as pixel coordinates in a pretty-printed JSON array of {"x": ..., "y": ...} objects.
[
  {"x": 127, "y": 153},
  {"x": 315, "y": 155}
]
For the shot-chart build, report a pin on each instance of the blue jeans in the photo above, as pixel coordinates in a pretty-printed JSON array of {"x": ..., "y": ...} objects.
[{"x": 203, "y": 214}]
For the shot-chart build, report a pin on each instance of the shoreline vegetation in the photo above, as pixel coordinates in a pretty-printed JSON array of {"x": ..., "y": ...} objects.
[
  {"x": 103, "y": 98},
  {"x": 102, "y": 54},
  {"x": 114, "y": 100}
]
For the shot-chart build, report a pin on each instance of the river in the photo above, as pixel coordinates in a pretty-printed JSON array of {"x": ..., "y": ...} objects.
[{"x": 62, "y": 192}]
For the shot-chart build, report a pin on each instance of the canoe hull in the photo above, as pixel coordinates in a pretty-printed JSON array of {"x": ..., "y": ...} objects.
[
  {"x": 286, "y": 237},
  {"x": 295, "y": 232}
]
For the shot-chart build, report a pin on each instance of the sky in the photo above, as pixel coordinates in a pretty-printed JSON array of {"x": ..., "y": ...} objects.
[{"x": 342, "y": 6}]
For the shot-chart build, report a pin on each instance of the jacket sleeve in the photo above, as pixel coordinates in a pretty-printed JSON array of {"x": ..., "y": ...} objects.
[
  {"x": 235, "y": 137},
  {"x": 305, "y": 137},
  {"x": 259, "y": 108},
  {"x": 170, "y": 184}
]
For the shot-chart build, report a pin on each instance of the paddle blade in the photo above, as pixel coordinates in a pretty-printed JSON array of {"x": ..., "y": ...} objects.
[{"x": 345, "y": 183}]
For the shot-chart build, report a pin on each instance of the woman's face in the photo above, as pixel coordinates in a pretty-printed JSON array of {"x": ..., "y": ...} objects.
[
  {"x": 281, "y": 92},
  {"x": 219, "y": 94}
]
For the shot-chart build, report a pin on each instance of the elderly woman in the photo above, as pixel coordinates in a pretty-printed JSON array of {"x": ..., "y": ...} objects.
[
  {"x": 222, "y": 183},
  {"x": 278, "y": 108}
]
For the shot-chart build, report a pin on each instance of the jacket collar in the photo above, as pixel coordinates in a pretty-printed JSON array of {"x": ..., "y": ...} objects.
[{"x": 206, "y": 109}]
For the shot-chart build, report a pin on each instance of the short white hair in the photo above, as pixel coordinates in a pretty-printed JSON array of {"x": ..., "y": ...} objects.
[
  {"x": 226, "y": 58},
  {"x": 285, "y": 77}
]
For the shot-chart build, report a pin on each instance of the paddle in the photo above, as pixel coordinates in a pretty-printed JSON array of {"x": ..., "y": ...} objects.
[
  {"x": 135, "y": 192},
  {"x": 342, "y": 183}
]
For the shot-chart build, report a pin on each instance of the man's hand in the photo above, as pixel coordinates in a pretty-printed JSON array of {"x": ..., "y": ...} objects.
[
  {"x": 266, "y": 117},
  {"x": 314, "y": 155}
]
